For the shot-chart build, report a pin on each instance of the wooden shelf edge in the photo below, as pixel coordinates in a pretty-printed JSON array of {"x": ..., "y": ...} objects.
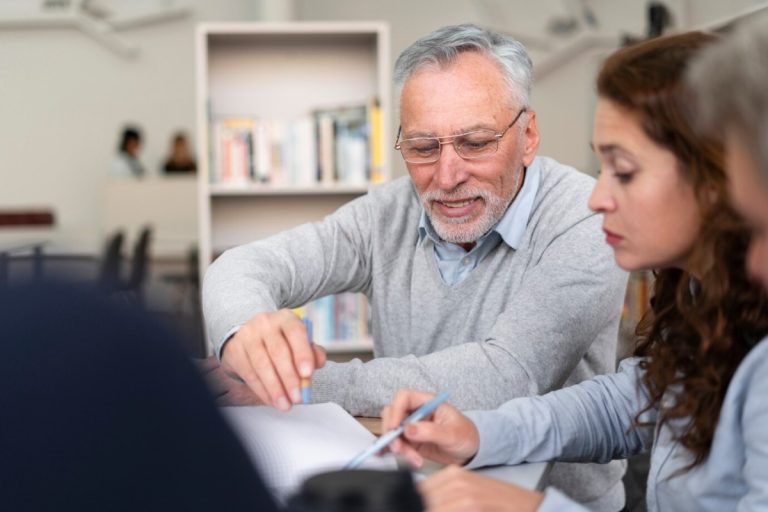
[{"x": 270, "y": 190}]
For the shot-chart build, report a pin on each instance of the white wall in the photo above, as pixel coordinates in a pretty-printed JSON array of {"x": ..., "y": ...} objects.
[
  {"x": 64, "y": 97},
  {"x": 564, "y": 99}
]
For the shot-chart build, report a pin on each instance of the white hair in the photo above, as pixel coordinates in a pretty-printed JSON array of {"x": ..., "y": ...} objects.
[{"x": 730, "y": 82}]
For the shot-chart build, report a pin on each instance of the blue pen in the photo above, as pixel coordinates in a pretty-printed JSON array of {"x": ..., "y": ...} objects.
[
  {"x": 417, "y": 415},
  {"x": 306, "y": 384}
]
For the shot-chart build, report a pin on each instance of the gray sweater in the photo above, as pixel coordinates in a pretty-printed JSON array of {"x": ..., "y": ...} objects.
[{"x": 524, "y": 322}]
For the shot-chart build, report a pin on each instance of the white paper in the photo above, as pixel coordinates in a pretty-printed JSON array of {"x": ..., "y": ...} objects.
[{"x": 288, "y": 447}]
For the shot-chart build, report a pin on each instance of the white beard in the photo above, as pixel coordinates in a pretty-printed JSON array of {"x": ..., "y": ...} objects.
[{"x": 465, "y": 230}]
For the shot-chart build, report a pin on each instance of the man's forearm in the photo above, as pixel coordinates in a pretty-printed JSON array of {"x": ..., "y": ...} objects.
[{"x": 364, "y": 388}]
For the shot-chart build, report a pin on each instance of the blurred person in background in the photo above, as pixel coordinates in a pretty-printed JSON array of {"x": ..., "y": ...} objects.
[
  {"x": 126, "y": 163},
  {"x": 180, "y": 159}
]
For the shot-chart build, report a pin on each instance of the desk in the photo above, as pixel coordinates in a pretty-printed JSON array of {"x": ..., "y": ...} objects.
[
  {"x": 59, "y": 241},
  {"x": 529, "y": 476},
  {"x": 372, "y": 424},
  {"x": 8, "y": 248}
]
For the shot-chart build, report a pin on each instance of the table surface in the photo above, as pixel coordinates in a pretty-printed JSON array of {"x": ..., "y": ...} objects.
[
  {"x": 372, "y": 424},
  {"x": 10, "y": 246},
  {"x": 528, "y": 476}
]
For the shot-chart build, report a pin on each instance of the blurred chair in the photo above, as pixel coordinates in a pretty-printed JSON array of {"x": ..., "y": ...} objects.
[
  {"x": 139, "y": 265},
  {"x": 112, "y": 282},
  {"x": 110, "y": 279}
]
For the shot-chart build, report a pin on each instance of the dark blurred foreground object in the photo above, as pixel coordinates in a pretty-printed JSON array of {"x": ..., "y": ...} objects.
[
  {"x": 360, "y": 490},
  {"x": 101, "y": 410}
]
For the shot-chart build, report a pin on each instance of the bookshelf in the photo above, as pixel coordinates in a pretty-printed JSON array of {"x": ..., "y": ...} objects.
[
  {"x": 293, "y": 121},
  {"x": 636, "y": 304}
]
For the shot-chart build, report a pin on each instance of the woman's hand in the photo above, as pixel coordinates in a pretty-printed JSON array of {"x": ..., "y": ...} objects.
[
  {"x": 446, "y": 436},
  {"x": 457, "y": 490}
]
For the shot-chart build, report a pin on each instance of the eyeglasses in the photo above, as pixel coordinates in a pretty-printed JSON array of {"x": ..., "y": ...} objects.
[{"x": 472, "y": 145}]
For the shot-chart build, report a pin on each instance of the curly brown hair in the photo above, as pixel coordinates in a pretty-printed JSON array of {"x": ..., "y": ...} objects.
[{"x": 703, "y": 320}]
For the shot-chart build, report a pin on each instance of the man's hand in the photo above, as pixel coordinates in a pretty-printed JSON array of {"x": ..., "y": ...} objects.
[
  {"x": 271, "y": 354},
  {"x": 446, "y": 436},
  {"x": 226, "y": 389},
  {"x": 457, "y": 490}
]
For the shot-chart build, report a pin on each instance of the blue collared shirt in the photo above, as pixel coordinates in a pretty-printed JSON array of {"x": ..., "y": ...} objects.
[{"x": 454, "y": 262}]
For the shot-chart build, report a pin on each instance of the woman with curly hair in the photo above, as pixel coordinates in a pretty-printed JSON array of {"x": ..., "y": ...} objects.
[{"x": 695, "y": 393}]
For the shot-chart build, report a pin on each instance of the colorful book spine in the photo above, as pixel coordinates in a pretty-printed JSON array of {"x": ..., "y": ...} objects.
[
  {"x": 338, "y": 318},
  {"x": 376, "y": 141},
  {"x": 328, "y": 146}
]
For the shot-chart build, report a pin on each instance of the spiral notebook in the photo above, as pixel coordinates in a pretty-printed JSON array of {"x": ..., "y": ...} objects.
[{"x": 288, "y": 447}]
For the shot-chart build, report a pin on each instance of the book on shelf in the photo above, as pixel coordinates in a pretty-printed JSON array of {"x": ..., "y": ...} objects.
[
  {"x": 326, "y": 160},
  {"x": 342, "y": 139},
  {"x": 376, "y": 142},
  {"x": 636, "y": 299},
  {"x": 232, "y": 149},
  {"x": 339, "y": 145},
  {"x": 338, "y": 319}
]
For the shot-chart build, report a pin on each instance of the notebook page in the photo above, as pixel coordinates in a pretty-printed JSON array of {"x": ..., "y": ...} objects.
[{"x": 288, "y": 447}]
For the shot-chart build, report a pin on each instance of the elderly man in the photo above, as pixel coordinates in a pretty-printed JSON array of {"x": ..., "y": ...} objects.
[{"x": 486, "y": 273}]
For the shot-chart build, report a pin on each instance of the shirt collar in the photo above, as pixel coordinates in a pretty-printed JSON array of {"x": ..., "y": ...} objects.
[{"x": 512, "y": 224}]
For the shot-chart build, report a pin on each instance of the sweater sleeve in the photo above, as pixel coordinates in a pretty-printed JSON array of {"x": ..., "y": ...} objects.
[
  {"x": 288, "y": 270},
  {"x": 589, "y": 422},
  {"x": 568, "y": 299}
]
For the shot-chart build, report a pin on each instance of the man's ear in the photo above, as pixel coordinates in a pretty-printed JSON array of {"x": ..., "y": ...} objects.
[{"x": 530, "y": 138}]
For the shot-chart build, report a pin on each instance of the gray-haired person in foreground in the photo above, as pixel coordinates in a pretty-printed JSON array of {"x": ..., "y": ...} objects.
[
  {"x": 731, "y": 82},
  {"x": 486, "y": 273}
]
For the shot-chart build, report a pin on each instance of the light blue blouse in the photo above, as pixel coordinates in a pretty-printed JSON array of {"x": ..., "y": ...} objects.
[{"x": 591, "y": 422}]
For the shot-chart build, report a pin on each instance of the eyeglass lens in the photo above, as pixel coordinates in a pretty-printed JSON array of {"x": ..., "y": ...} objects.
[
  {"x": 471, "y": 145},
  {"x": 475, "y": 144}
]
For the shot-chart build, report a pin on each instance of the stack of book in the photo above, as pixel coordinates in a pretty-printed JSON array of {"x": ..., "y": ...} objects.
[{"x": 339, "y": 145}]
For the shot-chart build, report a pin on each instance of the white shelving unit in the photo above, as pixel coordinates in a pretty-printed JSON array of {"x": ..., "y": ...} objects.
[
  {"x": 258, "y": 189},
  {"x": 281, "y": 71}
]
